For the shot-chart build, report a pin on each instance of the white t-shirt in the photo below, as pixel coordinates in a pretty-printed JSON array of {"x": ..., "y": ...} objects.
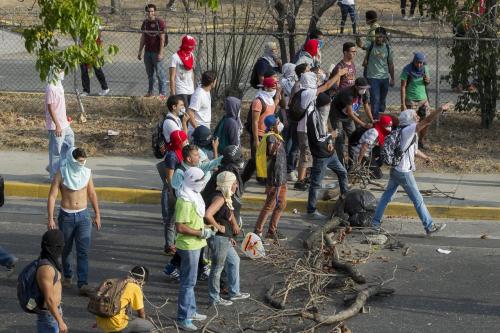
[
  {"x": 408, "y": 161},
  {"x": 54, "y": 95},
  {"x": 201, "y": 104},
  {"x": 171, "y": 123},
  {"x": 183, "y": 78},
  {"x": 307, "y": 100}
]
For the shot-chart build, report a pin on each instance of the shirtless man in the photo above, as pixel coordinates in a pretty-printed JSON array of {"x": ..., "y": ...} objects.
[
  {"x": 48, "y": 277},
  {"x": 75, "y": 183}
]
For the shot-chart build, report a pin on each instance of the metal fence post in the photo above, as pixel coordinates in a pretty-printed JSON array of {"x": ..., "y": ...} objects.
[{"x": 438, "y": 80}]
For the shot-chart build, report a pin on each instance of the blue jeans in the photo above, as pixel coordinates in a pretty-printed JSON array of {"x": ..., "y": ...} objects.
[
  {"x": 46, "y": 323},
  {"x": 58, "y": 147},
  {"x": 223, "y": 256},
  {"x": 167, "y": 207},
  {"x": 292, "y": 146},
  {"x": 378, "y": 93},
  {"x": 344, "y": 10},
  {"x": 186, "y": 302},
  {"x": 153, "y": 65},
  {"x": 407, "y": 181},
  {"x": 6, "y": 259},
  {"x": 318, "y": 173},
  {"x": 76, "y": 227}
]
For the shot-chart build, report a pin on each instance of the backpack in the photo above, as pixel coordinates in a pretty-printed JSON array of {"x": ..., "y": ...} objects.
[
  {"x": 29, "y": 294},
  {"x": 254, "y": 77},
  {"x": 158, "y": 143},
  {"x": 391, "y": 151},
  {"x": 296, "y": 112},
  {"x": 106, "y": 301},
  {"x": 248, "y": 124},
  {"x": 367, "y": 57}
]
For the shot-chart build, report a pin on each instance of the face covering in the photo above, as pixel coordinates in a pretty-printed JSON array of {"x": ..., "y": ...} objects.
[
  {"x": 182, "y": 111},
  {"x": 191, "y": 187},
  {"x": 52, "y": 247},
  {"x": 225, "y": 181},
  {"x": 280, "y": 127},
  {"x": 321, "y": 43},
  {"x": 361, "y": 91},
  {"x": 388, "y": 129},
  {"x": 74, "y": 174}
]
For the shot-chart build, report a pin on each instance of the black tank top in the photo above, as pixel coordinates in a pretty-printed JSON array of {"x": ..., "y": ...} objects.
[{"x": 223, "y": 215}]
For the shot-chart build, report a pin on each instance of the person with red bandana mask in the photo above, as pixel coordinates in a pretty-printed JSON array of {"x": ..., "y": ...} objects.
[
  {"x": 181, "y": 71},
  {"x": 308, "y": 55}
]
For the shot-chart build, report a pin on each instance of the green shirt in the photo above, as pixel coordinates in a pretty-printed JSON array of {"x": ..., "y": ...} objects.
[
  {"x": 378, "y": 62},
  {"x": 415, "y": 88},
  {"x": 185, "y": 213}
]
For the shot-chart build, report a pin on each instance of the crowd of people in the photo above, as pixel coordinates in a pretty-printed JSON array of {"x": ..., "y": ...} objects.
[{"x": 300, "y": 123}]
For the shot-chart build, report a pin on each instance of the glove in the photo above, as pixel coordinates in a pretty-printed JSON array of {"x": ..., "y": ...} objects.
[{"x": 207, "y": 233}]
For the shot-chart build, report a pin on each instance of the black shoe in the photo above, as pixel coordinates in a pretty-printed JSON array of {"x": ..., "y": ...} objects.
[
  {"x": 301, "y": 186},
  {"x": 276, "y": 236},
  {"x": 436, "y": 227}
]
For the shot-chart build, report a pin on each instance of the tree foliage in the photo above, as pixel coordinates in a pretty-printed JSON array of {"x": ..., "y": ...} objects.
[
  {"x": 476, "y": 52},
  {"x": 61, "y": 20}
]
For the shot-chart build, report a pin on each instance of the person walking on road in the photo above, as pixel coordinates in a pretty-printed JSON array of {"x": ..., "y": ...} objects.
[
  {"x": 74, "y": 181},
  {"x": 402, "y": 174},
  {"x": 61, "y": 136},
  {"x": 153, "y": 41}
]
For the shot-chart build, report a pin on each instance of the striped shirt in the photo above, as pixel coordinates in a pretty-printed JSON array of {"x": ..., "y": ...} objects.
[{"x": 369, "y": 137}]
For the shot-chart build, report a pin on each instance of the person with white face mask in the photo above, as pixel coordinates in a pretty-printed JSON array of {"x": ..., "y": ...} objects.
[
  {"x": 344, "y": 113},
  {"x": 61, "y": 136}
]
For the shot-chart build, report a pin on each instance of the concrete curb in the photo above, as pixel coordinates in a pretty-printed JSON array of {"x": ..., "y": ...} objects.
[{"x": 255, "y": 202}]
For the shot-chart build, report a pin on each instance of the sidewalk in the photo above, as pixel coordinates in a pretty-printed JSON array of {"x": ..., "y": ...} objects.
[{"x": 136, "y": 180}]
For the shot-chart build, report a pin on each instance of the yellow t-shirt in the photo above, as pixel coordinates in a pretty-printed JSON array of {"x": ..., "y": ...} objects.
[{"x": 132, "y": 294}]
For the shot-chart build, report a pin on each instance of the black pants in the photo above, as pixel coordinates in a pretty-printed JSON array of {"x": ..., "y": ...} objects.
[
  {"x": 86, "y": 80},
  {"x": 250, "y": 167}
]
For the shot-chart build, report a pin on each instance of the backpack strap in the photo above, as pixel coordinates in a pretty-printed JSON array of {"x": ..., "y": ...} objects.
[
  {"x": 46, "y": 262},
  {"x": 264, "y": 107}
]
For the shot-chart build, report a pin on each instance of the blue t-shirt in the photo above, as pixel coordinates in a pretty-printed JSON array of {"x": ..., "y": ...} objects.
[{"x": 171, "y": 160}]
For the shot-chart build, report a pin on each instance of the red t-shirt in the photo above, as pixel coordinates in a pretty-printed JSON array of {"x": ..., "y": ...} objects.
[
  {"x": 348, "y": 79},
  {"x": 152, "y": 31}
]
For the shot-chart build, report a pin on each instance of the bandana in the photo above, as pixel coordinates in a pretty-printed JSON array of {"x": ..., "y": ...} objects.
[
  {"x": 269, "y": 53},
  {"x": 186, "y": 51},
  {"x": 407, "y": 117},
  {"x": 225, "y": 181},
  {"x": 412, "y": 70},
  {"x": 177, "y": 138},
  {"x": 75, "y": 176},
  {"x": 311, "y": 47},
  {"x": 289, "y": 78},
  {"x": 267, "y": 96},
  {"x": 52, "y": 247},
  {"x": 191, "y": 188},
  {"x": 380, "y": 126}
]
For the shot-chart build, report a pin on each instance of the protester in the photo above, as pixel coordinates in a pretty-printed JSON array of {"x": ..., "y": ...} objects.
[
  {"x": 371, "y": 20},
  {"x": 181, "y": 73},
  {"x": 153, "y": 40},
  {"x": 99, "y": 74},
  {"x": 379, "y": 67},
  {"x": 207, "y": 144},
  {"x": 200, "y": 107},
  {"x": 315, "y": 34},
  {"x": 264, "y": 104},
  {"x": 48, "y": 278},
  {"x": 230, "y": 128},
  {"x": 322, "y": 149},
  {"x": 271, "y": 159},
  {"x": 347, "y": 7},
  {"x": 171, "y": 6},
  {"x": 402, "y": 174},
  {"x": 191, "y": 237},
  {"x": 76, "y": 185},
  {"x": 307, "y": 56},
  {"x": 347, "y": 80},
  {"x": 220, "y": 215},
  {"x": 268, "y": 63},
  {"x": 173, "y": 159},
  {"x": 131, "y": 297},
  {"x": 61, "y": 136}
]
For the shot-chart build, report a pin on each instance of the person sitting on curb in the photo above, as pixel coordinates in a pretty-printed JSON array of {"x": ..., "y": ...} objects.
[
  {"x": 402, "y": 174},
  {"x": 132, "y": 297},
  {"x": 74, "y": 181},
  {"x": 191, "y": 238},
  {"x": 220, "y": 215}
]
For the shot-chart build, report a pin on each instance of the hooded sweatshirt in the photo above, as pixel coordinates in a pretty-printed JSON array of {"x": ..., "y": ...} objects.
[{"x": 230, "y": 128}]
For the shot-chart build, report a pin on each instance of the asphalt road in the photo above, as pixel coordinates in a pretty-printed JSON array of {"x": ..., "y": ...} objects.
[{"x": 435, "y": 292}]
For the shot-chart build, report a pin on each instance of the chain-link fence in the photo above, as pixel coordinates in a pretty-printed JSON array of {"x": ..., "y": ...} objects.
[{"x": 126, "y": 75}]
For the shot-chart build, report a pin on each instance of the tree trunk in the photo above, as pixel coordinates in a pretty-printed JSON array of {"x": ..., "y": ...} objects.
[
  {"x": 319, "y": 7},
  {"x": 292, "y": 25},
  {"x": 115, "y": 6},
  {"x": 280, "y": 9}
]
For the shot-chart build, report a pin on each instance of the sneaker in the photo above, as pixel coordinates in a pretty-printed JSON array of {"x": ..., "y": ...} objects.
[
  {"x": 104, "y": 92},
  {"x": 86, "y": 291},
  {"x": 199, "y": 317},
  {"x": 316, "y": 216},
  {"x": 84, "y": 93},
  {"x": 276, "y": 236},
  {"x": 436, "y": 227},
  {"x": 240, "y": 296},
  {"x": 67, "y": 282},
  {"x": 223, "y": 302},
  {"x": 187, "y": 325},
  {"x": 172, "y": 272},
  {"x": 300, "y": 186},
  {"x": 292, "y": 176}
]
